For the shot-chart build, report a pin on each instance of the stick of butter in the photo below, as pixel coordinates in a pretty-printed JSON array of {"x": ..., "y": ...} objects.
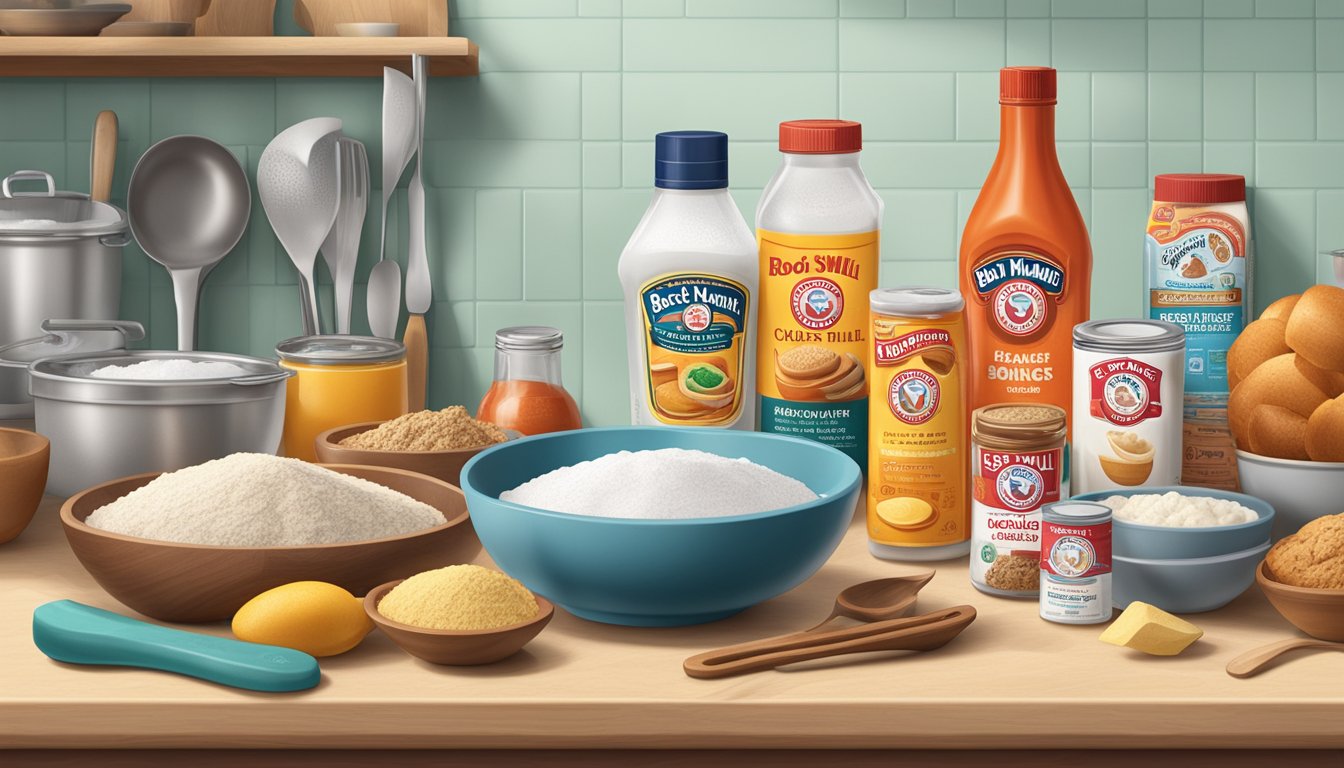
[{"x": 1152, "y": 630}]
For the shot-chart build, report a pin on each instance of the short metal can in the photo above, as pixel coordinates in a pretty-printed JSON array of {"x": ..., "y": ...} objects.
[{"x": 1076, "y": 562}]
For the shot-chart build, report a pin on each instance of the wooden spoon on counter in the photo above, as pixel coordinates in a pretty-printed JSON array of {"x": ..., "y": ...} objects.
[
  {"x": 1257, "y": 660},
  {"x": 877, "y": 600},
  {"x": 915, "y": 633}
]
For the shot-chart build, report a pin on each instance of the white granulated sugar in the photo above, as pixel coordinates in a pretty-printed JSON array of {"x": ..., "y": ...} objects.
[
  {"x": 1175, "y": 510},
  {"x": 166, "y": 369},
  {"x": 256, "y": 500},
  {"x": 666, "y": 484}
]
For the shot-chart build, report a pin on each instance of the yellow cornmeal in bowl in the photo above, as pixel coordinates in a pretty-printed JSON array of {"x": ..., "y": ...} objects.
[
  {"x": 459, "y": 597},
  {"x": 451, "y": 429}
]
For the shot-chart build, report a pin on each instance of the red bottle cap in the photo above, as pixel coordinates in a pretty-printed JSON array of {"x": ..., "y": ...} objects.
[
  {"x": 1027, "y": 86},
  {"x": 820, "y": 137},
  {"x": 1199, "y": 188}
]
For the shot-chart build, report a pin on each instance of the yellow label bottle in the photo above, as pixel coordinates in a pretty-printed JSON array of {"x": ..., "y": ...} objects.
[
  {"x": 817, "y": 233},
  {"x": 918, "y": 505}
]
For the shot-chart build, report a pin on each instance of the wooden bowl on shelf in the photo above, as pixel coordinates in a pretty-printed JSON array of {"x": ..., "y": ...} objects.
[
  {"x": 459, "y": 648},
  {"x": 192, "y": 583},
  {"x": 445, "y": 465}
]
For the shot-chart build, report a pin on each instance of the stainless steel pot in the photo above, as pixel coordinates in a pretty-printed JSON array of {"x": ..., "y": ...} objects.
[
  {"x": 103, "y": 429},
  {"x": 60, "y": 256},
  {"x": 61, "y": 337}
]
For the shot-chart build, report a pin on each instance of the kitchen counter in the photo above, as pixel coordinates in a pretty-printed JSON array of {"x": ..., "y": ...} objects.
[{"x": 1010, "y": 681}]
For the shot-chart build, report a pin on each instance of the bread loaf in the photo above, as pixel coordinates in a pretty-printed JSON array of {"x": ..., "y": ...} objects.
[
  {"x": 1316, "y": 327},
  {"x": 1325, "y": 432},
  {"x": 1281, "y": 309},
  {"x": 1257, "y": 343},
  {"x": 1278, "y": 381}
]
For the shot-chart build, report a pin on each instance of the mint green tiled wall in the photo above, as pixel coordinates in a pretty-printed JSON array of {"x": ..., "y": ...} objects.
[{"x": 540, "y": 168}]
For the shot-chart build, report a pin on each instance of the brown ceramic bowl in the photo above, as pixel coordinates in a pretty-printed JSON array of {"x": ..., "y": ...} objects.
[
  {"x": 1318, "y": 612},
  {"x": 445, "y": 465},
  {"x": 459, "y": 648},
  {"x": 192, "y": 583},
  {"x": 24, "y": 457}
]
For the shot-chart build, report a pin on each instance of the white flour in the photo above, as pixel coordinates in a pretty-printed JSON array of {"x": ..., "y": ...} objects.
[
  {"x": 255, "y": 500},
  {"x": 169, "y": 369},
  {"x": 667, "y": 484},
  {"x": 1174, "y": 510}
]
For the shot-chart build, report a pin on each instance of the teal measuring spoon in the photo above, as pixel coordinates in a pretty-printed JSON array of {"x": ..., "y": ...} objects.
[{"x": 80, "y": 634}]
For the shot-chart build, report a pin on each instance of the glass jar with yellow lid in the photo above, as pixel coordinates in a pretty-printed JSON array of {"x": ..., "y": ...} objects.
[{"x": 339, "y": 380}]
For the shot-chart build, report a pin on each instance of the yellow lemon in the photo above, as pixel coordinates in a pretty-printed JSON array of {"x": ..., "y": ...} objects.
[
  {"x": 310, "y": 616},
  {"x": 905, "y": 512}
]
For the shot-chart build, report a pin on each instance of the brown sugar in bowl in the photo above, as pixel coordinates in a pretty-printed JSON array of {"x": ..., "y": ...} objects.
[
  {"x": 1318, "y": 612},
  {"x": 24, "y": 457},
  {"x": 444, "y": 465},
  {"x": 194, "y": 583},
  {"x": 467, "y": 647}
]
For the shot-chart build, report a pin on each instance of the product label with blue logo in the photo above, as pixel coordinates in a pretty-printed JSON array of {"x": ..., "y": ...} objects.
[
  {"x": 694, "y": 326},
  {"x": 1021, "y": 290},
  {"x": 1197, "y": 280}
]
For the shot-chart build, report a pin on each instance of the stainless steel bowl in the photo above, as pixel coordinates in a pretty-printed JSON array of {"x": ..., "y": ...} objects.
[{"x": 102, "y": 429}]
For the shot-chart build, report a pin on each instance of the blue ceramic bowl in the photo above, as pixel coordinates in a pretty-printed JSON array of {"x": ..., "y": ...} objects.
[
  {"x": 1185, "y": 586},
  {"x": 660, "y": 573},
  {"x": 1153, "y": 542}
]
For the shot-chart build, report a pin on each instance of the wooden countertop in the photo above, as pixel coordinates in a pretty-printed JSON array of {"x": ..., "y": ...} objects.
[{"x": 1012, "y": 680}]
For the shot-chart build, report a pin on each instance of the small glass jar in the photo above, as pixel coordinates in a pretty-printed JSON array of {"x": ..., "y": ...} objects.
[
  {"x": 528, "y": 393},
  {"x": 340, "y": 380},
  {"x": 1017, "y": 468}
]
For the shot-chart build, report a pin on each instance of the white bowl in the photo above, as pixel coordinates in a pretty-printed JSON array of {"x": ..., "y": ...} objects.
[
  {"x": 1299, "y": 491},
  {"x": 368, "y": 29}
]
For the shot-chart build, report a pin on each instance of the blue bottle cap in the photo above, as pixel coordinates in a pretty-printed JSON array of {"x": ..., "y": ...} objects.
[{"x": 691, "y": 160}]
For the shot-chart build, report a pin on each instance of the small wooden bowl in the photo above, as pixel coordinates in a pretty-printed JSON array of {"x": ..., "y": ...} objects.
[
  {"x": 24, "y": 457},
  {"x": 1318, "y": 612},
  {"x": 445, "y": 465},
  {"x": 458, "y": 648},
  {"x": 191, "y": 583}
]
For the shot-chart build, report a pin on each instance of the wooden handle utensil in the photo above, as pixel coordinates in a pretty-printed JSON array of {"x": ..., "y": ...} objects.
[
  {"x": 916, "y": 633},
  {"x": 1257, "y": 660},
  {"x": 103, "y": 156}
]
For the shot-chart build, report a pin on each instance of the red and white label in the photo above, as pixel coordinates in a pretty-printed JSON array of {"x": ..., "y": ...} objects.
[
  {"x": 1125, "y": 391},
  {"x": 897, "y": 350},
  {"x": 817, "y": 303},
  {"x": 1018, "y": 482},
  {"x": 1075, "y": 551},
  {"x": 913, "y": 396}
]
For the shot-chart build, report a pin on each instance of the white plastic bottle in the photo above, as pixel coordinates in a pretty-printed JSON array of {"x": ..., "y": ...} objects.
[
  {"x": 689, "y": 274},
  {"x": 817, "y": 226}
]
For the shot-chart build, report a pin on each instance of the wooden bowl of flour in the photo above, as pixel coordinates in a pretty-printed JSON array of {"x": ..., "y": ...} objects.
[
  {"x": 194, "y": 583},
  {"x": 445, "y": 465}
]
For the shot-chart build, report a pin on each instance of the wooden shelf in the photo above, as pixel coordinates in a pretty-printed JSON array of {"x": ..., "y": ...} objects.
[{"x": 231, "y": 56}]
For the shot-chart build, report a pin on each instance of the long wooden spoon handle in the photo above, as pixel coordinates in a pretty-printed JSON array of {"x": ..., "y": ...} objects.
[
  {"x": 915, "y": 633},
  {"x": 1257, "y": 660},
  {"x": 104, "y": 156}
]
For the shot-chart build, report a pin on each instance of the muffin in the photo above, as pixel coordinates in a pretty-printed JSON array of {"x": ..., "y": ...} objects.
[{"x": 1313, "y": 557}]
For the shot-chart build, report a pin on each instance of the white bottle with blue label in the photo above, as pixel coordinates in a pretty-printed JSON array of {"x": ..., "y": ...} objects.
[{"x": 689, "y": 275}]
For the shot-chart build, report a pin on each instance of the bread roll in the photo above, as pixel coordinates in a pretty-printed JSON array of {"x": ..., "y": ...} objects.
[
  {"x": 1316, "y": 327},
  {"x": 1281, "y": 309},
  {"x": 1278, "y": 432},
  {"x": 1278, "y": 381},
  {"x": 1257, "y": 343},
  {"x": 1325, "y": 432},
  {"x": 1329, "y": 382}
]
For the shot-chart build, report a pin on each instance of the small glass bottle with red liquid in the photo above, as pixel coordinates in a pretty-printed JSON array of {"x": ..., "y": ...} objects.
[{"x": 528, "y": 394}]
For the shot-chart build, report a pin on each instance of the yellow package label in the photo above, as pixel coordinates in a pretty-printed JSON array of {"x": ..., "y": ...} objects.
[
  {"x": 694, "y": 325},
  {"x": 917, "y": 462},
  {"x": 813, "y": 336}
]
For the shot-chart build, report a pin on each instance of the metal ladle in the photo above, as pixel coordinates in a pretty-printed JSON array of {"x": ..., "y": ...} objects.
[{"x": 188, "y": 205}]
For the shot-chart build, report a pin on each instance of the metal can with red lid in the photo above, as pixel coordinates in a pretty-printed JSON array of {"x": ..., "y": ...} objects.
[{"x": 1076, "y": 562}]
